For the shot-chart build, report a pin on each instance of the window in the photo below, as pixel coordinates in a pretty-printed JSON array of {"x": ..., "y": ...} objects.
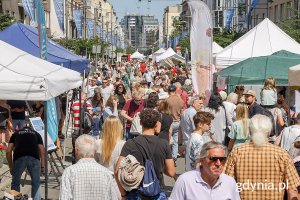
[
  {"x": 271, "y": 13},
  {"x": 276, "y": 13},
  {"x": 288, "y": 10},
  {"x": 281, "y": 17}
]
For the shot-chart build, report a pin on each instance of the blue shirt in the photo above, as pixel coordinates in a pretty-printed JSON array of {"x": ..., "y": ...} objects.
[{"x": 190, "y": 185}]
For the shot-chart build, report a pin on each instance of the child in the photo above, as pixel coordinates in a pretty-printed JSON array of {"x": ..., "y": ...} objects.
[
  {"x": 268, "y": 94},
  {"x": 202, "y": 123}
]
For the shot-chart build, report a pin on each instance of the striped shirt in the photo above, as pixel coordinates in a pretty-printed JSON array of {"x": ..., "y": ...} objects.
[{"x": 76, "y": 112}]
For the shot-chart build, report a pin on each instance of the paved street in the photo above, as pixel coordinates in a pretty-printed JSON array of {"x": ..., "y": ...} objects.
[{"x": 53, "y": 185}]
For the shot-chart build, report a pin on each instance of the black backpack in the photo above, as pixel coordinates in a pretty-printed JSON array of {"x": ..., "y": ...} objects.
[
  {"x": 87, "y": 120},
  {"x": 267, "y": 113}
]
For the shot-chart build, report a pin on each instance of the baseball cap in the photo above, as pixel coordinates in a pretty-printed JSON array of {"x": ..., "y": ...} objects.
[
  {"x": 171, "y": 88},
  {"x": 250, "y": 92}
]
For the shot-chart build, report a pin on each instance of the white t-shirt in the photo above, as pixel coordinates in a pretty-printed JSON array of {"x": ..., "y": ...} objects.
[{"x": 193, "y": 149}]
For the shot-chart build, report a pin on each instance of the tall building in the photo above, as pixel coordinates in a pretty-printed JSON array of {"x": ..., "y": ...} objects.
[
  {"x": 141, "y": 31},
  {"x": 170, "y": 13}
]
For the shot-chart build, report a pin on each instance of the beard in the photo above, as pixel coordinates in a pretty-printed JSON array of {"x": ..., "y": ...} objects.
[{"x": 259, "y": 139}]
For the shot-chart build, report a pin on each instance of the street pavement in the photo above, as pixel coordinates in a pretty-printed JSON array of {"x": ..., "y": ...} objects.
[{"x": 53, "y": 185}]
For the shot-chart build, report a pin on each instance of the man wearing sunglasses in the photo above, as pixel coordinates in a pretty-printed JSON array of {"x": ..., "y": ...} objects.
[{"x": 208, "y": 181}]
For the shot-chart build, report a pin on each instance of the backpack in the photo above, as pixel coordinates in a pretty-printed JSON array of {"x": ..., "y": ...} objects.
[
  {"x": 150, "y": 186},
  {"x": 87, "y": 122},
  {"x": 136, "y": 127}
]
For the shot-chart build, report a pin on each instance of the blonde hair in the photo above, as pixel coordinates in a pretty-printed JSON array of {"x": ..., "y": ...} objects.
[
  {"x": 269, "y": 84},
  {"x": 110, "y": 100},
  {"x": 242, "y": 113},
  {"x": 111, "y": 133}
]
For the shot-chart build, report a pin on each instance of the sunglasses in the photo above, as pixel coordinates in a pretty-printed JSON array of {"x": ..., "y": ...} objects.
[
  {"x": 120, "y": 87},
  {"x": 215, "y": 159}
]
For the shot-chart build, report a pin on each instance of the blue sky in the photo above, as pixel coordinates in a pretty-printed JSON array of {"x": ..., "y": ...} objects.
[{"x": 156, "y": 7}]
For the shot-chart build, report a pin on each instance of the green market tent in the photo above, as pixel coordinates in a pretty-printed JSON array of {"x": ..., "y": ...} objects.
[{"x": 254, "y": 71}]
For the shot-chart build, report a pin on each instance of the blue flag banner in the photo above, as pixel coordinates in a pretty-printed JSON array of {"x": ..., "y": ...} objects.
[
  {"x": 253, "y": 5},
  {"x": 77, "y": 13},
  {"x": 52, "y": 122},
  {"x": 41, "y": 29},
  {"x": 52, "y": 125},
  {"x": 98, "y": 31},
  {"x": 28, "y": 6},
  {"x": 60, "y": 12},
  {"x": 229, "y": 15},
  {"x": 90, "y": 28}
]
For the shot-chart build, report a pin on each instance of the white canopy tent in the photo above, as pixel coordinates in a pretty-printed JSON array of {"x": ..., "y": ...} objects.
[
  {"x": 137, "y": 55},
  {"x": 169, "y": 57},
  {"x": 263, "y": 40},
  {"x": 157, "y": 53},
  {"x": 293, "y": 75},
  {"x": 216, "y": 48},
  {"x": 26, "y": 77}
]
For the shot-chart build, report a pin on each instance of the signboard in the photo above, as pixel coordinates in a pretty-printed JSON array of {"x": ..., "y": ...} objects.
[
  {"x": 38, "y": 125},
  {"x": 96, "y": 49},
  {"x": 221, "y": 82}
]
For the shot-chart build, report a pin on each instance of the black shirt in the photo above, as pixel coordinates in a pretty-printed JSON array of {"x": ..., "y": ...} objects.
[
  {"x": 4, "y": 115},
  {"x": 17, "y": 104},
  {"x": 26, "y": 143},
  {"x": 38, "y": 109},
  {"x": 122, "y": 101},
  {"x": 153, "y": 146},
  {"x": 166, "y": 122}
]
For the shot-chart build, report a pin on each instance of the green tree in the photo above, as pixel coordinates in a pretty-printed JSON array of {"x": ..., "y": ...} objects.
[
  {"x": 177, "y": 24},
  {"x": 292, "y": 28},
  {"x": 130, "y": 50},
  {"x": 6, "y": 20},
  {"x": 224, "y": 38}
]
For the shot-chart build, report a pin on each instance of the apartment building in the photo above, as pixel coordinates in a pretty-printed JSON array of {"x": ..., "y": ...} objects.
[{"x": 170, "y": 13}]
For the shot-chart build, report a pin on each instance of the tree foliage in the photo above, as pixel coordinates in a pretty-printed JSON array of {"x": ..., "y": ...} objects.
[
  {"x": 292, "y": 28},
  {"x": 177, "y": 25},
  {"x": 6, "y": 20},
  {"x": 224, "y": 38}
]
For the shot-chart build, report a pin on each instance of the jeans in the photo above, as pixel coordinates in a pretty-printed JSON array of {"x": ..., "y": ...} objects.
[
  {"x": 33, "y": 166},
  {"x": 18, "y": 122},
  {"x": 128, "y": 135},
  {"x": 175, "y": 128},
  {"x": 134, "y": 195}
]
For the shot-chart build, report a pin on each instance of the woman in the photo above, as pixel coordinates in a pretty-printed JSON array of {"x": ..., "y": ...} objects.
[
  {"x": 111, "y": 107},
  {"x": 110, "y": 145},
  {"x": 97, "y": 108},
  {"x": 152, "y": 101},
  {"x": 6, "y": 126},
  {"x": 38, "y": 109},
  {"x": 120, "y": 91},
  {"x": 166, "y": 120},
  {"x": 221, "y": 120},
  {"x": 239, "y": 132}
]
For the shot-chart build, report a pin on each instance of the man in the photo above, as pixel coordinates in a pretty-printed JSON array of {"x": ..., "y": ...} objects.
[
  {"x": 254, "y": 108},
  {"x": 183, "y": 94},
  {"x": 76, "y": 115},
  {"x": 267, "y": 167},
  {"x": 87, "y": 179},
  {"x": 17, "y": 109},
  {"x": 207, "y": 181},
  {"x": 186, "y": 121},
  {"x": 106, "y": 89},
  {"x": 152, "y": 146},
  {"x": 28, "y": 149},
  {"x": 176, "y": 104},
  {"x": 131, "y": 108},
  {"x": 91, "y": 87}
]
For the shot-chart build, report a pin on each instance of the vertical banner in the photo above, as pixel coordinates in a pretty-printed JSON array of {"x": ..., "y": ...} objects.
[
  {"x": 77, "y": 13},
  {"x": 28, "y": 6},
  {"x": 253, "y": 5},
  {"x": 60, "y": 12},
  {"x": 90, "y": 28},
  {"x": 186, "y": 56},
  {"x": 52, "y": 122},
  {"x": 229, "y": 15},
  {"x": 201, "y": 46},
  {"x": 98, "y": 31},
  {"x": 52, "y": 127}
]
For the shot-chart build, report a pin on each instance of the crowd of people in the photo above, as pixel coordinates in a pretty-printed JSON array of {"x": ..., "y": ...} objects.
[{"x": 145, "y": 116}]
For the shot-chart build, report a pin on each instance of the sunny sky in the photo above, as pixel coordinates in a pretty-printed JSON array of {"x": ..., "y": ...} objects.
[{"x": 154, "y": 7}]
